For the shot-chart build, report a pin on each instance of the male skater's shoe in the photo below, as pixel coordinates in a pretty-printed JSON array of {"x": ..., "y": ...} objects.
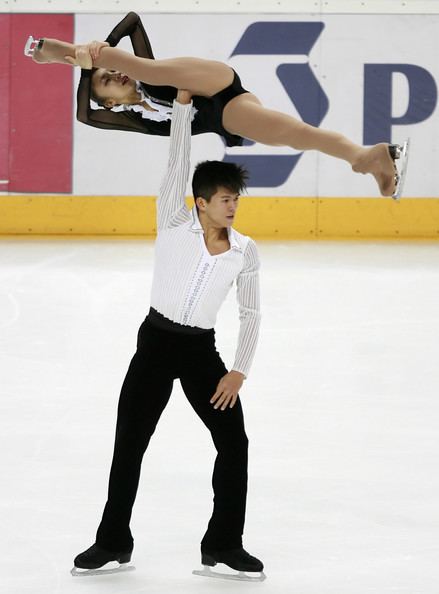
[
  {"x": 96, "y": 557},
  {"x": 249, "y": 568}
]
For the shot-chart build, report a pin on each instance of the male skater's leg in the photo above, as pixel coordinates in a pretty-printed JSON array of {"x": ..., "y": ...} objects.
[
  {"x": 229, "y": 479},
  {"x": 144, "y": 395},
  {"x": 222, "y": 542}
]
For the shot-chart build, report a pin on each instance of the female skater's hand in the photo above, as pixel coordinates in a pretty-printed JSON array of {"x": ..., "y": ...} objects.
[
  {"x": 184, "y": 97},
  {"x": 85, "y": 55},
  {"x": 95, "y": 48},
  {"x": 227, "y": 390},
  {"x": 82, "y": 58}
]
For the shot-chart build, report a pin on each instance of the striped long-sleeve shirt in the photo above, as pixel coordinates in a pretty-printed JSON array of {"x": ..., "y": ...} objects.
[{"x": 190, "y": 284}]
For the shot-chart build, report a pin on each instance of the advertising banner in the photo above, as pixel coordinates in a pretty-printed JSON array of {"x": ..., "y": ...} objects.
[
  {"x": 370, "y": 77},
  {"x": 36, "y": 121}
]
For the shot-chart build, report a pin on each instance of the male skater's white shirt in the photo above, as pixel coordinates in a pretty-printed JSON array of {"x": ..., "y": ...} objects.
[{"x": 189, "y": 284}]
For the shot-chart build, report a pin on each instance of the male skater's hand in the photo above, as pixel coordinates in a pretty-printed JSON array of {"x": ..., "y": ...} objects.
[
  {"x": 227, "y": 390},
  {"x": 184, "y": 97}
]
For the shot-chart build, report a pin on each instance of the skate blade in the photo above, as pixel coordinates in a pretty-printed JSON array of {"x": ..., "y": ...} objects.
[
  {"x": 240, "y": 576},
  {"x": 402, "y": 157},
  {"x": 30, "y": 46},
  {"x": 77, "y": 572}
]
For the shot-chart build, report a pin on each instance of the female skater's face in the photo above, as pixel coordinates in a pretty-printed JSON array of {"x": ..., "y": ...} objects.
[{"x": 113, "y": 87}]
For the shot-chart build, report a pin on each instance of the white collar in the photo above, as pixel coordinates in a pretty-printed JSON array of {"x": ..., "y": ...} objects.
[{"x": 231, "y": 233}]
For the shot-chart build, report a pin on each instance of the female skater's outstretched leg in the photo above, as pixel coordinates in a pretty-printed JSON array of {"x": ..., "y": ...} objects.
[
  {"x": 200, "y": 77},
  {"x": 54, "y": 51},
  {"x": 244, "y": 115}
]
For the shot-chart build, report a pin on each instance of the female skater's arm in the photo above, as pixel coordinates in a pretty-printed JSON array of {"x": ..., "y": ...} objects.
[
  {"x": 106, "y": 119},
  {"x": 132, "y": 25},
  {"x": 128, "y": 121}
]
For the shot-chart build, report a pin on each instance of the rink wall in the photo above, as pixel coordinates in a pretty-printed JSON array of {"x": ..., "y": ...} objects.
[{"x": 366, "y": 69}]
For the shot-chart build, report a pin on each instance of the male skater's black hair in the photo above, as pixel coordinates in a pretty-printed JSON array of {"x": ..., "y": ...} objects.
[{"x": 210, "y": 175}]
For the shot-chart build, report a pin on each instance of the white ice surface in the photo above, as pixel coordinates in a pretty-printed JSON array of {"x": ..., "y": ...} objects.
[{"x": 342, "y": 412}]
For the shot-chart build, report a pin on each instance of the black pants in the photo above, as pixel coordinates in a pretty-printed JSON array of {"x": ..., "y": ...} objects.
[{"x": 161, "y": 357}]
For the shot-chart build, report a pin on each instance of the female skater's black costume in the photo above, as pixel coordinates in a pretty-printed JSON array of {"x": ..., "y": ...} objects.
[{"x": 208, "y": 117}]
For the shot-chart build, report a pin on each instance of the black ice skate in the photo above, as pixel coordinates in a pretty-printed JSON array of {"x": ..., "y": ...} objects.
[
  {"x": 93, "y": 560},
  {"x": 248, "y": 568},
  {"x": 401, "y": 153}
]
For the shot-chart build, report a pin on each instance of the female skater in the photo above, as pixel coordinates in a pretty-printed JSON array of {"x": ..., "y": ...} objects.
[{"x": 110, "y": 76}]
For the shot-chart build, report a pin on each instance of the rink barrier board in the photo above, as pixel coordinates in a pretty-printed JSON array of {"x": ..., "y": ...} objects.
[
  {"x": 38, "y": 132},
  {"x": 263, "y": 217}
]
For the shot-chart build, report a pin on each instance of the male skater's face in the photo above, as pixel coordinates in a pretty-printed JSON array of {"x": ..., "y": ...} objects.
[{"x": 221, "y": 208}]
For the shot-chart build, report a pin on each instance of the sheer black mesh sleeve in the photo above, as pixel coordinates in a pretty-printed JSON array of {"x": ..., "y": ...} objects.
[
  {"x": 105, "y": 118},
  {"x": 129, "y": 121},
  {"x": 132, "y": 25}
]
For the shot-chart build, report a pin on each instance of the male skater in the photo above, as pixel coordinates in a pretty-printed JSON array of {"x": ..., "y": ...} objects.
[{"x": 198, "y": 256}]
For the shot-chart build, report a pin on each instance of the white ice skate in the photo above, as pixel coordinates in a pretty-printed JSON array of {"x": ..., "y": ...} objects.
[
  {"x": 32, "y": 45},
  {"x": 400, "y": 153},
  {"x": 240, "y": 576},
  {"x": 106, "y": 570}
]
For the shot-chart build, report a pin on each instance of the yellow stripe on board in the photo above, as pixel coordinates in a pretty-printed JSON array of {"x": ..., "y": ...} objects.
[
  {"x": 271, "y": 218},
  {"x": 380, "y": 218}
]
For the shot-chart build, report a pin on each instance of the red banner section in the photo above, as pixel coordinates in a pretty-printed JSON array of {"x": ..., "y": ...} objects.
[
  {"x": 5, "y": 21},
  {"x": 40, "y": 109}
]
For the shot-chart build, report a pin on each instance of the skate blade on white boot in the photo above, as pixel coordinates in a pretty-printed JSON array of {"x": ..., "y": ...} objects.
[
  {"x": 239, "y": 576},
  {"x": 31, "y": 45},
  {"x": 402, "y": 155},
  {"x": 109, "y": 568}
]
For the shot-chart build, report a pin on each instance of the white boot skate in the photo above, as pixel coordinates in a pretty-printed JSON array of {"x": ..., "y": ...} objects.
[
  {"x": 32, "y": 45},
  {"x": 401, "y": 153}
]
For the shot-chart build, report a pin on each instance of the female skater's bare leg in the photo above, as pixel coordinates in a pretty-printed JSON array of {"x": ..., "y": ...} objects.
[
  {"x": 200, "y": 77},
  {"x": 54, "y": 51},
  {"x": 244, "y": 115}
]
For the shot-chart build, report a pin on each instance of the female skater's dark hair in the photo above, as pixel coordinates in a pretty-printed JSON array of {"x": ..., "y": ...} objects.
[
  {"x": 210, "y": 175},
  {"x": 93, "y": 95}
]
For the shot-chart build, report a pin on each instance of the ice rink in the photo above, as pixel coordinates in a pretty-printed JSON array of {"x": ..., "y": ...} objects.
[{"x": 342, "y": 413}]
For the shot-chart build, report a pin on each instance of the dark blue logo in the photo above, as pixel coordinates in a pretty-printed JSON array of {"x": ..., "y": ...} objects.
[
  {"x": 311, "y": 103},
  {"x": 298, "y": 80},
  {"x": 378, "y": 96}
]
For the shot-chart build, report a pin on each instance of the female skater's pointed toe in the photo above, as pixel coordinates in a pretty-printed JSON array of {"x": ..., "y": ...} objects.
[{"x": 378, "y": 161}]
